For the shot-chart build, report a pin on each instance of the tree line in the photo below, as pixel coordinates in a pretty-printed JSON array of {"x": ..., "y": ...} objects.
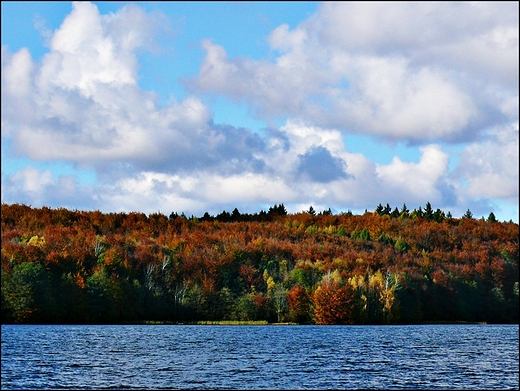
[{"x": 383, "y": 267}]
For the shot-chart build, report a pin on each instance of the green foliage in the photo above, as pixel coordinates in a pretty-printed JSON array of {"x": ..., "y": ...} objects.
[
  {"x": 306, "y": 274},
  {"x": 364, "y": 234},
  {"x": 278, "y": 210},
  {"x": 491, "y": 218},
  {"x": 326, "y": 212},
  {"x": 311, "y": 229},
  {"x": 27, "y": 294},
  {"x": 401, "y": 245},
  {"x": 251, "y": 307},
  {"x": 384, "y": 238},
  {"x": 101, "y": 297}
]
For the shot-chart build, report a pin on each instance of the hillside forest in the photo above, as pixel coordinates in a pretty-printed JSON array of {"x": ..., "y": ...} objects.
[{"x": 387, "y": 266}]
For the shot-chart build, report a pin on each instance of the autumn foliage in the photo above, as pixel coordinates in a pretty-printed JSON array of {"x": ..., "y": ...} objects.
[{"x": 382, "y": 267}]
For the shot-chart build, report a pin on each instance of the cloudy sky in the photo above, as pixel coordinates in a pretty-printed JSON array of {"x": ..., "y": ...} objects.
[{"x": 202, "y": 107}]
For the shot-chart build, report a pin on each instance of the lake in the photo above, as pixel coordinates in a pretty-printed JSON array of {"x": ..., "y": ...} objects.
[{"x": 462, "y": 356}]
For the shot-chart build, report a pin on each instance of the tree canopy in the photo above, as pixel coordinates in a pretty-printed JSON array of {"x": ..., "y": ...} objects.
[{"x": 386, "y": 266}]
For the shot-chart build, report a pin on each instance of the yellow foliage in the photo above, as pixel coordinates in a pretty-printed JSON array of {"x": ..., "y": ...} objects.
[
  {"x": 376, "y": 280},
  {"x": 357, "y": 281},
  {"x": 270, "y": 284},
  {"x": 36, "y": 241},
  {"x": 336, "y": 276},
  {"x": 331, "y": 229},
  {"x": 376, "y": 295}
]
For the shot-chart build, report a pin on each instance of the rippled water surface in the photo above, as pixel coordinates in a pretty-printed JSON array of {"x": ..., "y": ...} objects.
[{"x": 260, "y": 357}]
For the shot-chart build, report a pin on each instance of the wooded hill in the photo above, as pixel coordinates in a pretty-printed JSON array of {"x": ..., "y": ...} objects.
[{"x": 382, "y": 267}]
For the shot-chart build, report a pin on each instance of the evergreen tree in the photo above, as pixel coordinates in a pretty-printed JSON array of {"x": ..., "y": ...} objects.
[
  {"x": 224, "y": 216},
  {"x": 277, "y": 210},
  {"x": 428, "y": 211},
  {"x": 438, "y": 216},
  {"x": 326, "y": 212},
  {"x": 207, "y": 217},
  {"x": 364, "y": 234},
  {"x": 235, "y": 215},
  {"x": 491, "y": 218}
]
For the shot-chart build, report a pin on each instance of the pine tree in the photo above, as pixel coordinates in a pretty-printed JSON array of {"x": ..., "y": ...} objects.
[
  {"x": 491, "y": 218},
  {"x": 428, "y": 211},
  {"x": 468, "y": 214}
]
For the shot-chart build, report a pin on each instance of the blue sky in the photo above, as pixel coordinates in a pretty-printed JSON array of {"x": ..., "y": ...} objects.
[{"x": 207, "y": 106}]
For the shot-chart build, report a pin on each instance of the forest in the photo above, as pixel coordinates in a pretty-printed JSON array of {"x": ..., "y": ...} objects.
[{"x": 387, "y": 266}]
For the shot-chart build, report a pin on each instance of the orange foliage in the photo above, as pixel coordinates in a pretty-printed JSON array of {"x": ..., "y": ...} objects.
[
  {"x": 333, "y": 304},
  {"x": 234, "y": 255},
  {"x": 299, "y": 303}
]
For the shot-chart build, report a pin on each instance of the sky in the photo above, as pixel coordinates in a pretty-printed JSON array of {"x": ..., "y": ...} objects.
[{"x": 194, "y": 107}]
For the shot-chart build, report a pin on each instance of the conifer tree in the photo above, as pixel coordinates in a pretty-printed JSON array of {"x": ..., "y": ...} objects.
[{"x": 491, "y": 218}]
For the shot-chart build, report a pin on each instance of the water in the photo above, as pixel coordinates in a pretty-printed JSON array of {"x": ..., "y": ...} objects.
[{"x": 259, "y": 357}]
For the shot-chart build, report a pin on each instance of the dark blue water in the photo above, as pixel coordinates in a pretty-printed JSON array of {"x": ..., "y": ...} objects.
[{"x": 260, "y": 357}]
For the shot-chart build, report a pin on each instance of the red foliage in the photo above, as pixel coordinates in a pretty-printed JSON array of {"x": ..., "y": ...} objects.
[
  {"x": 217, "y": 255},
  {"x": 299, "y": 303},
  {"x": 333, "y": 304}
]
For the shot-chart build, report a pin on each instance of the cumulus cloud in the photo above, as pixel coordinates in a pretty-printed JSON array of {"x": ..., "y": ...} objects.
[
  {"x": 417, "y": 181},
  {"x": 32, "y": 186},
  {"x": 490, "y": 168},
  {"x": 82, "y": 103},
  {"x": 414, "y": 71},
  {"x": 320, "y": 166},
  {"x": 428, "y": 74}
]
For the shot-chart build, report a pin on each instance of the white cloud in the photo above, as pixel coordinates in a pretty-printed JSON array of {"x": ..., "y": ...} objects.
[
  {"x": 38, "y": 188},
  {"x": 423, "y": 73},
  {"x": 282, "y": 39},
  {"x": 416, "y": 181},
  {"x": 414, "y": 71},
  {"x": 391, "y": 100},
  {"x": 32, "y": 181},
  {"x": 194, "y": 194},
  {"x": 17, "y": 73},
  {"x": 82, "y": 103},
  {"x": 491, "y": 167},
  {"x": 90, "y": 48}
]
